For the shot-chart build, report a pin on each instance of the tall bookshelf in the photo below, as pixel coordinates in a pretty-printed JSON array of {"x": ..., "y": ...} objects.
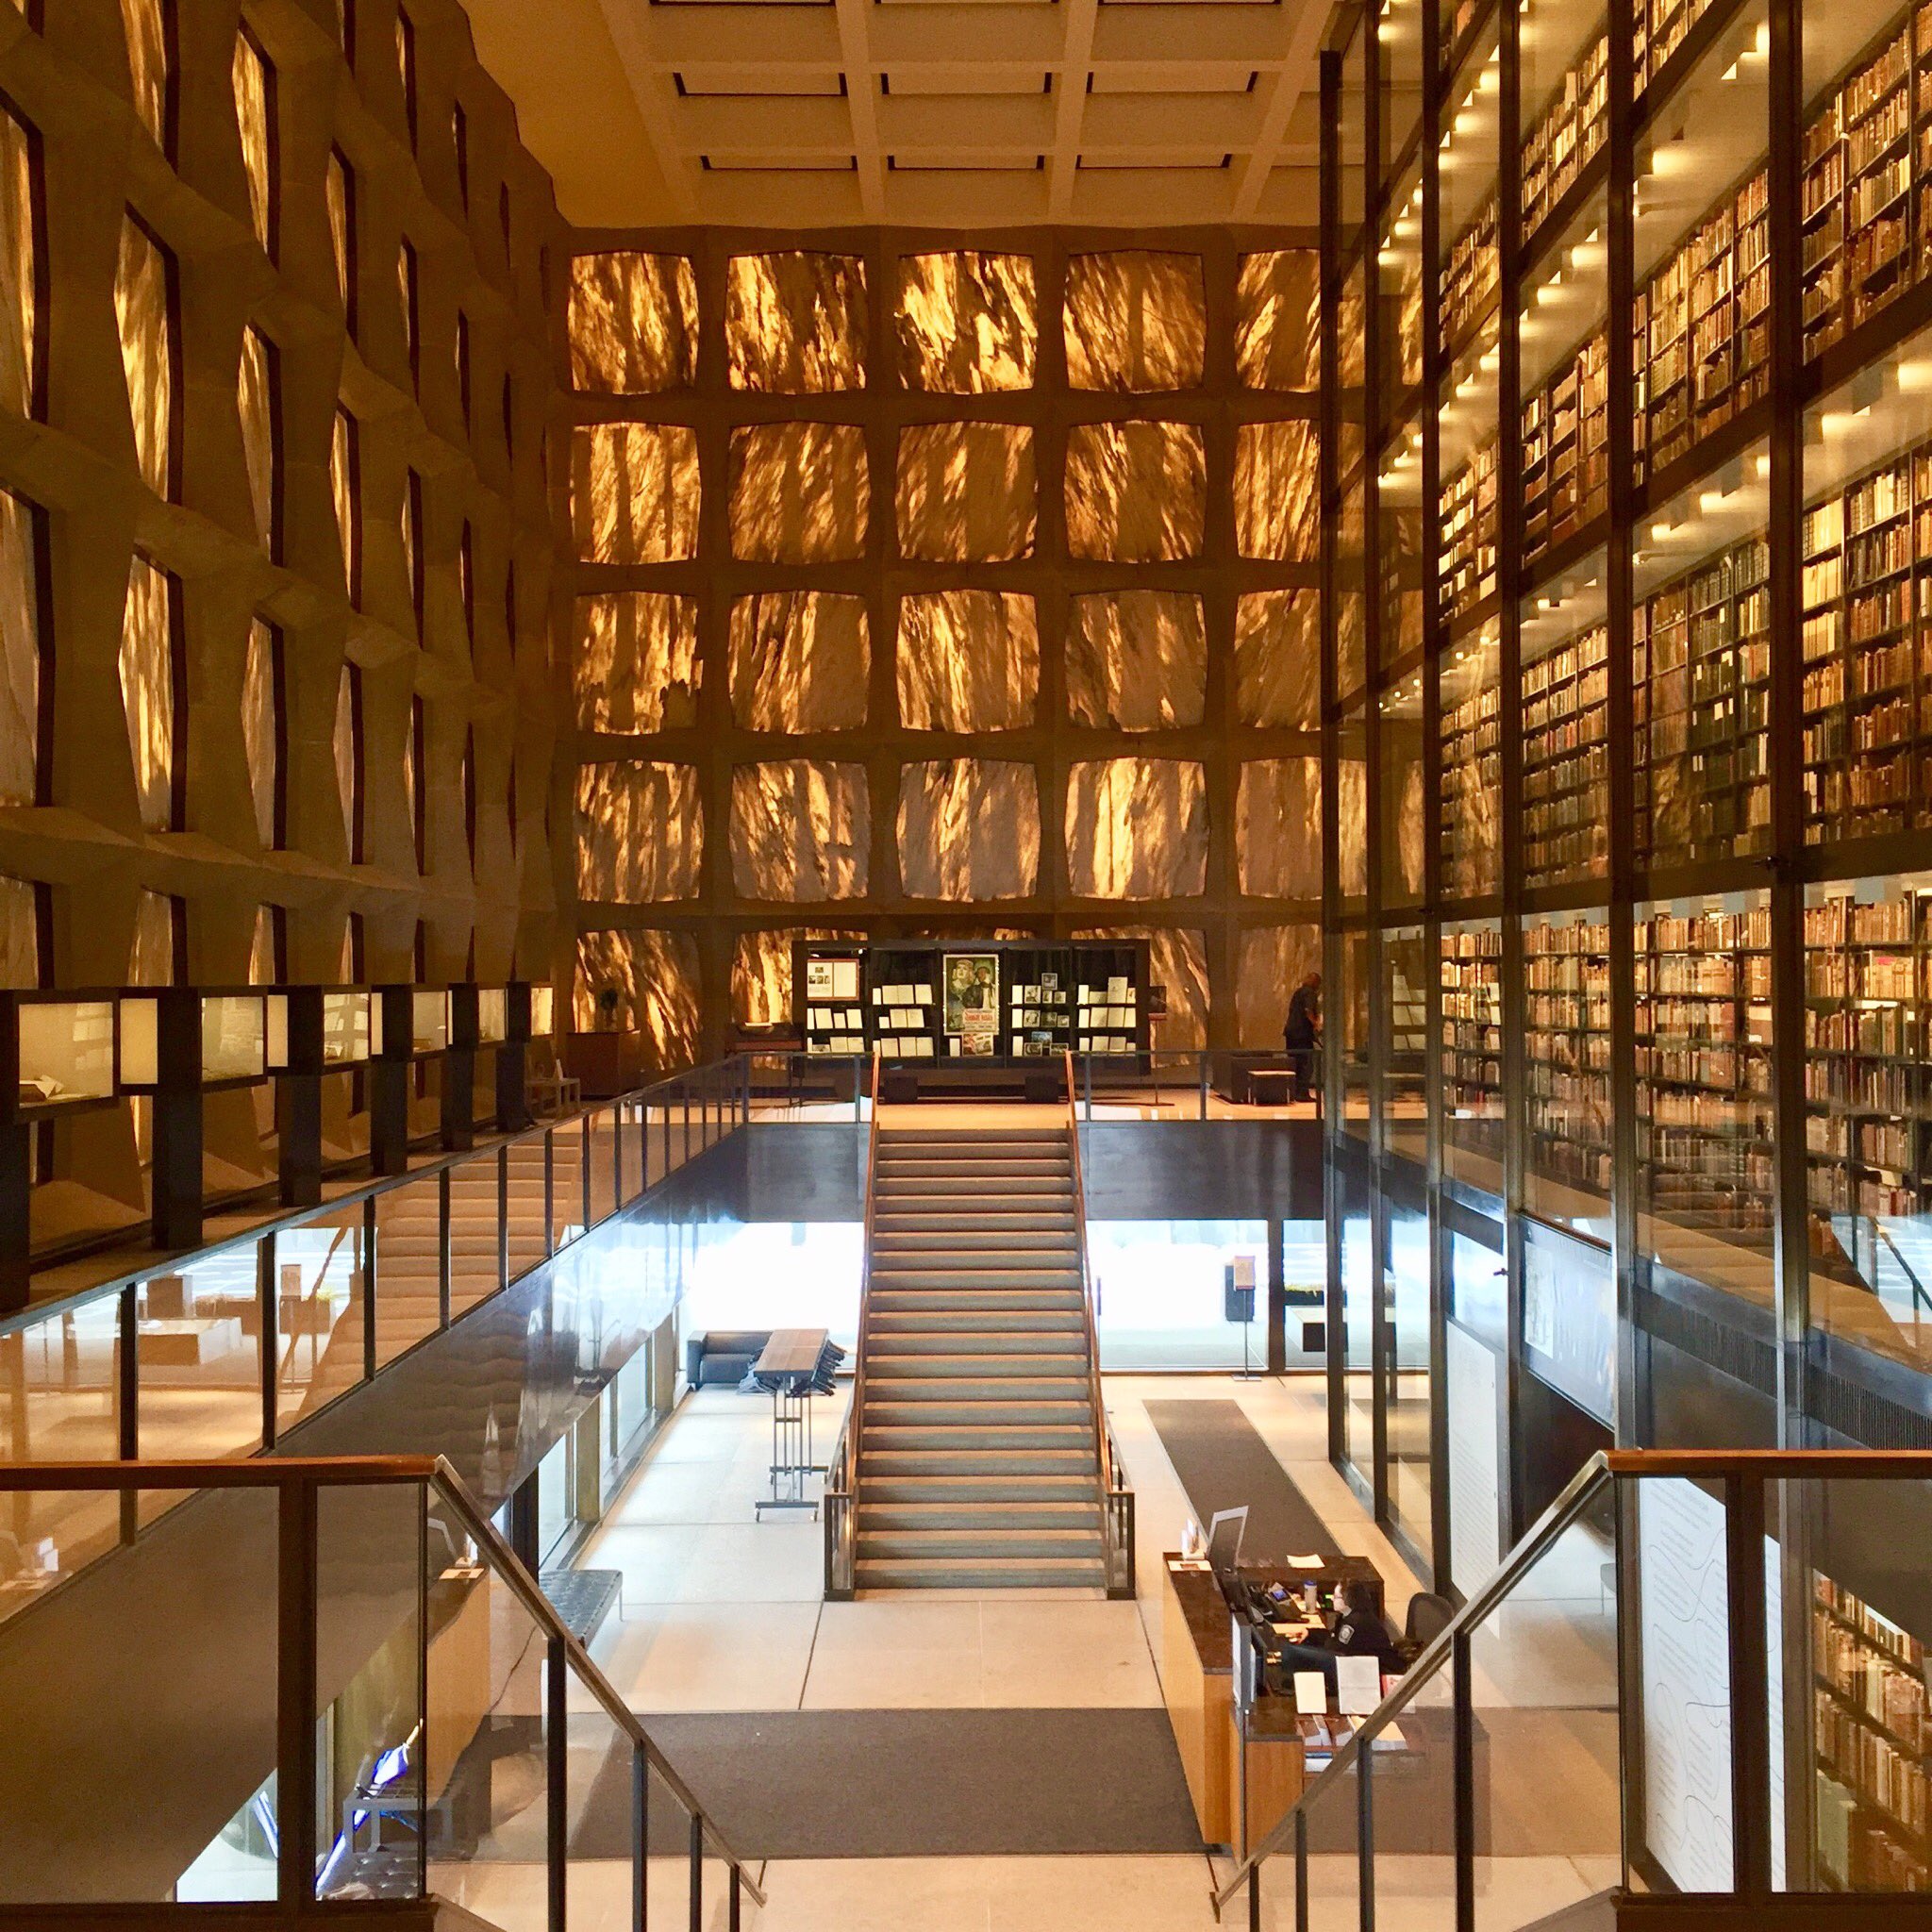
[
  {"x": 1472, "y": 728},
  {"x": 1565, "y": 450},
  {"x": 1467, "y": 573},
  {"x": 1471, "y": 973},
  {"x": 1567, "y": 136},
  {"x": 1566, "y": 759},
  {"x": 1567, "y": 1041}
]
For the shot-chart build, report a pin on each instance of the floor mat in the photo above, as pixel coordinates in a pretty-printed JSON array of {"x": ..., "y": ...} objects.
[
  {"x": 1224, "y": 1463},
  {"x": 895, "y": 1784}
]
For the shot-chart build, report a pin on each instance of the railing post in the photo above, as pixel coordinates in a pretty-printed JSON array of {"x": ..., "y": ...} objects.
[
  {"x": 502, "y": 1218},
  {"x": 1254, "y": 1900},
  {"x": 442, "y": 1248},
  {"x": 372, "y": 1268},
  {"x": 556, "y": 1746},
  {"x": 1204, "y": 1086},
  {"x": 1301, "y": 1872},
  {"x": 587, "y": 1135},
  {"x": 640, "y": 1839},
  {"x": 1365, "y": 1837},
  {"x": 737, "y": 1904},
  {"x": 549, "y": 1192},
  {"x": 422, "y": 1690},
  {"x": 697, "y": 1873},
  {"x": 1462, "y": 1774},
  {"x": 268, "y": 1305},
  {"x": 1750, "y": 1713},
  {"x": 295, "y": 1786}
]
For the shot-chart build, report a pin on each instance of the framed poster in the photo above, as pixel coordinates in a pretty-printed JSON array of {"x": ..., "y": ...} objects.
[{"x": 973, "y": 993}]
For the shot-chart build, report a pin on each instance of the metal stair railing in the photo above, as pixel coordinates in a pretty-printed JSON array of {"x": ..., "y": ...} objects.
[
  {"x": 311, "y": 1873},
  {"x": 841, "y": 1467}
]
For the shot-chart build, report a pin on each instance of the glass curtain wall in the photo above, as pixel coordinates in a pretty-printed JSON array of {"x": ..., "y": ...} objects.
[{"x": 1627, "y": 688}]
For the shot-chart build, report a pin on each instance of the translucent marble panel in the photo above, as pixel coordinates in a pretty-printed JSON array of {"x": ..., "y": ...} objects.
[
  {"x": 20, "y": 935},
  {"x": 253, "y": 85},
  {"x": 147, "y": 690},
  {"x": 636, "y": 662},
  {"x": 1352, "y": 826},
  {"x": 968, "y": 660},
  {"x": 151, "y": 950},
  {"x": 761, "y": 972},
  {"x": 800, "y": 662},
  {"x": 1137, "y": 660},
  {"x": 142, "y": 286},
  {"x": 260, "y": 732},
  {"x": 344, "y": 483},
  {"x": 633, "y": 323},
  {"x": 255, "y": 400},
  {"x": 1136, "y": 320},
  {"x": 1137, "y": 829},
  {"x": 1273, "y": 960},
  {"x": 968, "y": 322},
  {"x": 339, "y": 191},
  {"x": 1176, "y": 959},
  {"x": 150, "y": 48},
  {"x": 655, "y": 976},
  {"x": 342, "y": 742},
  {"x": 796, "y": 324},
  {"x": 1137, "y": 492},
  {"x": 20, "y": 264},
  {"x": 19, "y": 651},
  {"x": 1277, "y": 658},
  {"x": 1277, "y": 308},
  {"x": 966, "y": 493},
  {"x": 801, "y": 830},
  {"x": 262, "y": 949},
  {"x": 634, "y": 491},
  {"x": 640, "y": 832},
  {"x": 969, "y": 828},
  {"x": 799, "y": 493},
  {"x": 1277, "y": 828},
  {"x": 1277, "y": 492}
]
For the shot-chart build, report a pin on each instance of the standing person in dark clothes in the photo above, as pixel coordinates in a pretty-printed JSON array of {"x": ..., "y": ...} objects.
[{"x": 1303, "y": 1036}]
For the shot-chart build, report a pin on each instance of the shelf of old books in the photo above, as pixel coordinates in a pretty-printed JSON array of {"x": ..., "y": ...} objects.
[
  {"x": 1564, "y": 645},
  {"x": 1400, "y": 260},
  {"x": 1702, "y": 1063},
  {"x": 1470, "y": 971},
  {"x": 1467, "y": 527},
  {"x": 1563, "y": 94},
  {"x": 1701, "y": 669},
  {"x": 1470, "y": 825},
  {"x": 1469, "y": 158},
  {"x": 1566, "y": 971}
]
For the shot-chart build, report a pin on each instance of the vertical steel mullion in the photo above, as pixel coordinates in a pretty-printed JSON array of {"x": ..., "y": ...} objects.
[
  {"x": 1750, "y": 1712},
  {"x": 556, "y": 1752},
  {"x": 422, "y": 1690},
  {"x": 296, "y": 1793}
]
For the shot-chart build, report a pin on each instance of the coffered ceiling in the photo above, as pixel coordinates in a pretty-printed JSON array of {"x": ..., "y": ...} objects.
[{"x": 979, "y": 113}]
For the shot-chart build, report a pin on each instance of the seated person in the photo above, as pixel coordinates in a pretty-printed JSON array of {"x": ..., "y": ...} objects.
[{"x": 1358, "y": 1630}]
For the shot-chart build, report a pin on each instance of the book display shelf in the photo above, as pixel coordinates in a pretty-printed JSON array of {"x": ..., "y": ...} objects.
[
  {"x": 1472, "y": 766},
  {"x": 1567, "y": 1050},
  {"x": 1470, "y": 965}
]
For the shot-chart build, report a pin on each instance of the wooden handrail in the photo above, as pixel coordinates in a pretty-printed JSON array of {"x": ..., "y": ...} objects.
[{"x": 1774, "y": 1465}]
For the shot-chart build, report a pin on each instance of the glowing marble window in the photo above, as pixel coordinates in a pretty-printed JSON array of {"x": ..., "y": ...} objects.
[
  {"x": 409, "y": 524},
  {"x": 152, "y": 56},
  {"x": 800, "y": 662},
  {"x": 637, "y": 666},
  {"x": 416, "y": 783},
  {"x": 410, "y": 295},
  {"x": 466, "y": 784},
  {"x": 1137, "y": 660},
  {"x": 799, "y": 493},
  {"x": 1176, "y": 959},
  {"x": 634, "y": 493},
  {"x": 144, "y": 303},
  {"x": 460, "y": 147},
  {"x": 968, "y": 660},
  {"x": 968, "y": 324},
  {"x": 1277, "y": 341},
  {"x": 151, "y": 695},
  {"x": 640, "y": 832},
  {"x": 1277, "y": 828},
  {"x": 761, "y": 972},
  {"x": 633, "y": 323},
  {"x": 345, "y": 490},
  {"x": 255, "y": 114},
  {"x": 20, "y": 266},
  {"x": 21, "y": 644},
  {"x": 20, "y": 935},
  {"x": 268, "y": 947},
  {"x": 966, "y": 493},
  {"x": 969, "y": 830},
  {"x": 159, "y": 940},
  {"x": 346, "y": 743},
  {"x": 1277, "y": 658},
  {"x": 259, "y": 401},
  {"x": 801, "y": 830},
  {"x": 1277, "y": 492},
  {"x": 1137, "y": 492},
  {"x": 466, "y": 583},
  {"x": 1137, "y": 829},
  {"x": 1136, "y": 320},
  {"x": 796, "y": 324},
  {"x": 262, "y": 728},
  {"x": 655, "y": 976},
  {"x": 1273, "y": 960},
  {"x": 460, "y": 356},
  {"x": 406, "y": 68},
  {"x": 338, "y": 190}
]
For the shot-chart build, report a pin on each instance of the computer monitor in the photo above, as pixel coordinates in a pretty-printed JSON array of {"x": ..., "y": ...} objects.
[{"x": 1225, "y": 1534}]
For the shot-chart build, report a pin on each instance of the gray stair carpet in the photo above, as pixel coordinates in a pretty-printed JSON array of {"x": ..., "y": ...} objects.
[{"x": 978, "y": 1449}]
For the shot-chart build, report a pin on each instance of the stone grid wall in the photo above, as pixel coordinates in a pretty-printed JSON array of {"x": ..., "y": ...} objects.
[
  {"x": 939, "y": 585},
  {"x": 265, "y": 498}
]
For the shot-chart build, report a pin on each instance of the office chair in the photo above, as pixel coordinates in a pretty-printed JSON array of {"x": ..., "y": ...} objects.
[{"x": 1428, "y": 1616}]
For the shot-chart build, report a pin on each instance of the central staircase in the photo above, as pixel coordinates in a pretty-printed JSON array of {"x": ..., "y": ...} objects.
[{"x": 978, "y": 1451}]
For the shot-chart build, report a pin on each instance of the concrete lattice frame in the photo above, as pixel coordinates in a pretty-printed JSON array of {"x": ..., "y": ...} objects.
[{"x": 715, "y": 742}]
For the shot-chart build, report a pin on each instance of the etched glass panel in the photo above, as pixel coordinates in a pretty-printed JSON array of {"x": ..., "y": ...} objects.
[
  {"x": 20, "y": 268},
  {"x": 968, "y": 322},
  {"x": 637, "y": 662},
  {"x": 634, "y": 493},
  {"x": 801, "y": 830},
  {"x": 256, "y": 401},
  {"x": 655, "y": 976},
  {"x": 640, "y": 832},
  {"x": 1277, "y": 492},
  {"x": 969, "y": 828},
  {"x": 1137, "y": 829},
  {"x": 20, "y": 651},
  {"x": 633, "y": 323},
  {"x": 1277, "y": 658},
  {"x": 1137, "y": 492},
  {"x": 147, "y": 690},
  {"x": 261, "y": 726},
  {"x": 796, "y": 324},
  {"x": 143, "y": 287},
  {"x": 968, "y": 660},
  {"x": 253, "y": 94},
  {"x": 1136, "y": 320},
  {"x": 1137, "y": 660},
  {"x": 1277, "y": 828},
  {"x": 800, "y": 662},
  {"x": 799, "y": 493},
  {"x": 966, "y": 493},
  {"x": 1277, "y": 326}
]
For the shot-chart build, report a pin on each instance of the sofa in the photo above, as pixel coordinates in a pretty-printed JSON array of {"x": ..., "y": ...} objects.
[{"x": 722, "y": 1358}]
